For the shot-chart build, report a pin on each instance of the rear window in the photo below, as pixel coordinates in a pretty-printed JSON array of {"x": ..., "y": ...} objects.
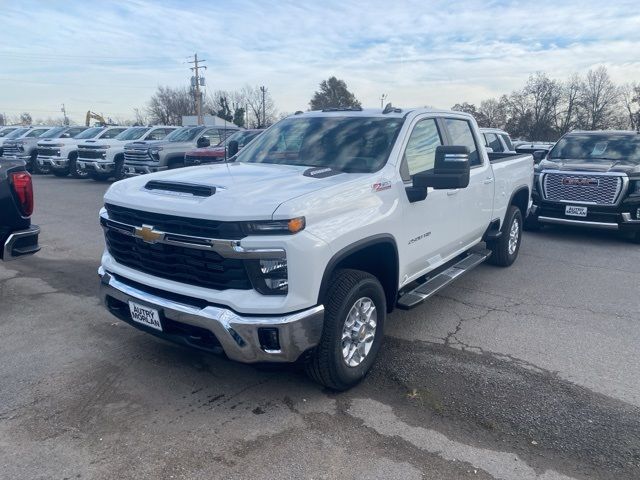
[
  {"x": 507, "y": 141},
  {"x": 462, "y": 135}
]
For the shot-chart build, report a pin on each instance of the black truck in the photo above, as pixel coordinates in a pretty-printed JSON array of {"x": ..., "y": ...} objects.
[
  {"x": 589, "y": 179},
  {"x": 17, "y": 236}
]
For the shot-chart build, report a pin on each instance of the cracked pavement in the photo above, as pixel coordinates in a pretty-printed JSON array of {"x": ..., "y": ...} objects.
[{"x": 520, "y": 373}]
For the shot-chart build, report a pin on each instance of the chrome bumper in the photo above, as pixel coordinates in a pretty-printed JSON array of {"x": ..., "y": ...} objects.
[
  {"x": 100, "y": 167},
  {"x": 237, "y": 334},
  {"x": 21, "y": 243},
  {"x": 55, "y": 162},
  {"x": 134, "y": 170}
]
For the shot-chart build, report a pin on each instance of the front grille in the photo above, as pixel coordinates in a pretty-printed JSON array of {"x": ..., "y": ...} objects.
[
  {"x": 173, "y": 224},
  {"x": 203, "y": 268},
  {"x": 91, "y": 153},
  {"x": 136, "y": 155},
  {"x": 594, "y": 189},
  {"x": 10, "y": 149},
  {"x": 48, "y": 152}
]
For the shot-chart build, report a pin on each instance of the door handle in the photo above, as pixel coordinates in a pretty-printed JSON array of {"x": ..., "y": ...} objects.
[
  {"x": 488, "y": 180},
  {"x": 451, "y": 193}
]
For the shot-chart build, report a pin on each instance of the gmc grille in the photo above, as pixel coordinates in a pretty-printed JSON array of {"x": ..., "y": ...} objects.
[{"x": 587, "y": 188}]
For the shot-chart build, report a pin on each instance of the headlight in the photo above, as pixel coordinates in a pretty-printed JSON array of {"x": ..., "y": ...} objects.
[
  {"x": 635, "y": 187},
  {"x": 269, "y": 276},
  {"x": 154, "y": 150},
  {"x": 275, "y": 227}
]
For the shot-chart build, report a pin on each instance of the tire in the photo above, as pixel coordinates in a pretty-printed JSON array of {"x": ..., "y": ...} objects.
[
  {"x": 37, "y": 169},
  {"x": 118, "y": 171},
  {"x": 75, "y": 170},
  {"x": 531, "y": 224},
  {"x": 99, "y": 177},
  {"x": 60, "y": 172},
  {"x": 327, "y": 364},
  {"x": 504, "y": 250}
]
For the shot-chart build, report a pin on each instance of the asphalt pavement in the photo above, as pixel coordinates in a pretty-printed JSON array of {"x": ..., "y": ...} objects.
[{"x": 529, "y": 372}]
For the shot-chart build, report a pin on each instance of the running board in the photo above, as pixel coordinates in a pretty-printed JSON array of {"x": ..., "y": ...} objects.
[{"x": 434, "y": 284}]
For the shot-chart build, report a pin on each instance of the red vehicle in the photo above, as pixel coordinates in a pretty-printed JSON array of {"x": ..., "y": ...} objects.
[{"x": 201, "y": 156}]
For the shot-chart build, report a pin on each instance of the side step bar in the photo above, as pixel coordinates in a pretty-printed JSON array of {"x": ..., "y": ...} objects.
[{"x": 433, "y": 284}]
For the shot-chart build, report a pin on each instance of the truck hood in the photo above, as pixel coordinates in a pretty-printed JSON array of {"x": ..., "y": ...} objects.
[
  {"x": 61, "y": 141},
  {"x": 98, "y": 143},
  {"x": 594, "y": 165},
  {"x": 144, "y": 144},
  {"x": 244, "y": 191}
]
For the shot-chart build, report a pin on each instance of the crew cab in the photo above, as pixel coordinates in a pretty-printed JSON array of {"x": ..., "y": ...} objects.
[
  {"x": 154, "y": 156},
  {"x": 17, "y": 236},
  {"x": 497, "y": 140},
  {"x": 61, "y": 154},
  {"x": 202, "y": 156},
  {"x": 11, "y": 143},
  {"x": 25, "y": 148},
  {"x": 590, "y": 179},
  {"x": 300, "y": 246},
  {"x": 104, "y": 158}
]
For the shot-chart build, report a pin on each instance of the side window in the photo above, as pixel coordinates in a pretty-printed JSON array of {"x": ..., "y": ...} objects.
[
  {"x": 420, "y": 154},
  {"x": 493, "y": 142},
  {"x": 461, "y": 135},
  {"x": 157, "y": 134},
  {"x": 507, "y": 141},
  {"x": 114, "y": 132},
  {"x": 213, "y": 134},
  {"x": 35, "y": 133}
]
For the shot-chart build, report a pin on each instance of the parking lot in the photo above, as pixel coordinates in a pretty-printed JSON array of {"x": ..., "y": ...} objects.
[{"x": 520, "y": 373}]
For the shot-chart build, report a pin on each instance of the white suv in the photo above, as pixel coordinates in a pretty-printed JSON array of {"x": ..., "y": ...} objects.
[{"x": 104, "y": 159}]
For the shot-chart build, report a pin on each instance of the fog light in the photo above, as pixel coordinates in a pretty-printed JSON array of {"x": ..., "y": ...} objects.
[
  {"x": 638, "y": 213},
  {"x": 269, "y": 276},
  {"x": 269, "y": 339}
]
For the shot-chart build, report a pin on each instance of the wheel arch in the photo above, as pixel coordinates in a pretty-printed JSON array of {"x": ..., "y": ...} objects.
[
  {"x": 520, "y": 198},
  {"x": 377, "y": 255}
]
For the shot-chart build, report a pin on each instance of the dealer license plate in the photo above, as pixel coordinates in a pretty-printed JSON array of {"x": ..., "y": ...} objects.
[
  {"x": 575, "y": 211},
  {"x": 144, "y": 315}
]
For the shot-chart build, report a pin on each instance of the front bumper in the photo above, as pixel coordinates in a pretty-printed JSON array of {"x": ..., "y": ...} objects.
[
  {"x": 98, "y": 166},
  {"x": 623, "y": 218},
  {"x": 53, "y": 162},
  {"x": 132, "y": 170},
  {"x": 214, "y": 328},
  {"x": 21, "y": 243}
]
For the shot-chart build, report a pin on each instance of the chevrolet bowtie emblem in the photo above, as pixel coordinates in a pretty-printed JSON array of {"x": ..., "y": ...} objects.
[{"x": 148, "y": 234}]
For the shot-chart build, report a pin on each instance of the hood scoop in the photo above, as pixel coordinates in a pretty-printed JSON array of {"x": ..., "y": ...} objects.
[{"x": 181, "y": 188}]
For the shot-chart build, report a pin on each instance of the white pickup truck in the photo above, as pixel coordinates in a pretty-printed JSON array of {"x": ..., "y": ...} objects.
[{"x": 300, "y": 246}]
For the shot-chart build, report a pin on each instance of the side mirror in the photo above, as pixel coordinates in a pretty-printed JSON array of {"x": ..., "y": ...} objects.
[
  {"x": 451, "y": 169},
  {"x": 539, "y": 155},
  {"x": 232, "y": 148},
  {"x": 203, "y": 142}
]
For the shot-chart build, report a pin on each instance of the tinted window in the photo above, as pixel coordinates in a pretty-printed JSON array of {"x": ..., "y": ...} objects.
[
  {"x": 72, "y": 132},
  {"x": 242, "y": 137},
  {"x": 353, "y": 144},
  {"x": 89, "y": 133},
  {"x": 133, "y": 133},
  {"x": 461, "y": 135},
  {"x": 493, "y": 142},
  {"x": 184, "y": 134},
  {"x": 507, "y": 141},
  {"x": 53, "y": 133},
  {"x": 157, "y": 134},
  {"x": 420, "y": 154},
  {"x": 598, "y": 147},
  {"x": 6, "y": 132},
  {"x": 112, "y": 132},
  {"x": 36, "y": 132}
]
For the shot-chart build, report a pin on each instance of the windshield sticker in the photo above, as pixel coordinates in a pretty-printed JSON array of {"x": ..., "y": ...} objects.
[
  {"x": 381, "y": 185},
  {"x": 320, "y": 172},
  {"x": 599, "y": 149}
]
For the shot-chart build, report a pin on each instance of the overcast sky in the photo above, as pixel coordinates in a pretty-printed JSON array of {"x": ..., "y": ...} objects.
[{"x": 110, "y": 56}]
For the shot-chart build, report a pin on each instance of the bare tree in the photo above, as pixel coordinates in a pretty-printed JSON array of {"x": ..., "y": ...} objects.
[
  {"x": 168, "y": 105},
  {"x": 253, "y": 97},
  {"x": 471, "y": 109},
  {"x": 140, "y": 117},
  {"x": 25, "y": 118},
  {"x": 566, "y": 110},
  {"x": 598, "y": 100},
  {"x": 542, "y": 96},
  {"x": 494, "y": 113},
  {"x": 630, "y": 98}
]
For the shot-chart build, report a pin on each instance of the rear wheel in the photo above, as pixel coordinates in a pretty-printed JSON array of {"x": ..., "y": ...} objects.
[
  {"x": 505, "y": 249},
  {"x": 355, "y": 311},
  {"x": 75, "y": 169}
]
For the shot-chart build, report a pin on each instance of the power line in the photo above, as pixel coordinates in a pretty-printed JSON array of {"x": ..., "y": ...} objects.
[{"x": 198, "y": 94}]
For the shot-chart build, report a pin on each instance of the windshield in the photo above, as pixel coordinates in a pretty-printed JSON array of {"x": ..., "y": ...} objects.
[
  {"x": 6, "y": 132},
  {"x": 598, "y": 147},
  {"x": 73, "y": 131},
  {"x": 132, "y": 133},
  {"x": 351, "y": 144},
  {"x": 184, "y": 134},
  {"x": 53, "y": 133},
  {"x": 89, "y": 133},
  {"x": 17, "y": 133}
]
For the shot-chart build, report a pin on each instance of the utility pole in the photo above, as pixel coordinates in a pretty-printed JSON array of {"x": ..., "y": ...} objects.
[
  {"x": 264, "y": 113},
  {"x": 382, "y": 99},
  {"x": 196, "y": 69},
  {"x": 64, "y": 114}
]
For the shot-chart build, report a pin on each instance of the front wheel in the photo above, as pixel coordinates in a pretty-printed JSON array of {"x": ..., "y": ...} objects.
[
  {"x": 355, "y": 312},
  {"x": 505, "y": 249},
  {"x": 40, "y": 169},
  {"x": 76, "y": 170}
]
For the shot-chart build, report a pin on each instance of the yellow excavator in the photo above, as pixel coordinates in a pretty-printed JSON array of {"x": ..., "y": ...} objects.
[{"x": 98, "y": 118}]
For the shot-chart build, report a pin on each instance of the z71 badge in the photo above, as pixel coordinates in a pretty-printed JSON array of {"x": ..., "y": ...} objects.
[{"x": 382, "y": 185}]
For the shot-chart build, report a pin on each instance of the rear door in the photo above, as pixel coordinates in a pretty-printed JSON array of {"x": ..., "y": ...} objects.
[{"x": 474, "y": 204}]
